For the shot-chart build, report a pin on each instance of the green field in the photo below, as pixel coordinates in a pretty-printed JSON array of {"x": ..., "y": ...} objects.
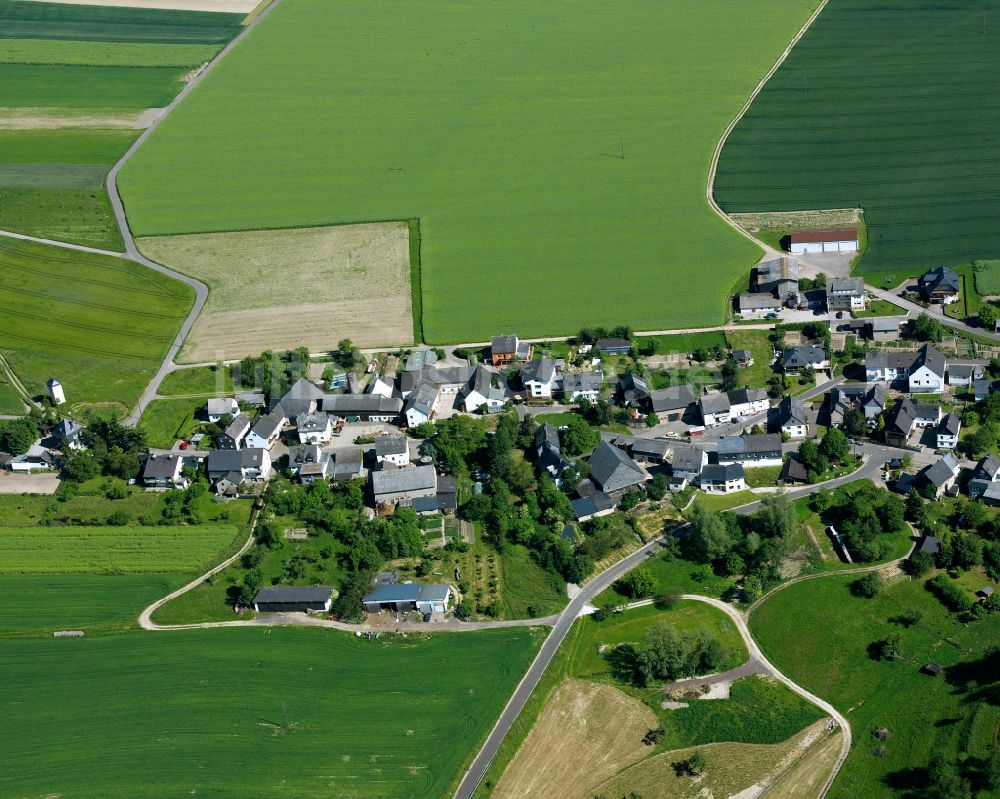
[
  {"x": 54, "y": 85},
  {"x": 112, "y": 550},
  {"x": 987, "y": 277},
  {"x": 261, "y": 712},
  {"x": 103, "y": 147},
  {"x": 200, "y": 380},
  {"x": 38, "y": 604},
  {"x": 164, "y": 421},
  {"x": 533, "y": 141},
  {"x": 100, "y": 325},
  {"x": 103, "y": 54},
  {"x": 818, "y": 633},
  {"x": 20, "y": 19},
  {"x": 81, "y": 216},
  {"x": 881, "y": 107}
]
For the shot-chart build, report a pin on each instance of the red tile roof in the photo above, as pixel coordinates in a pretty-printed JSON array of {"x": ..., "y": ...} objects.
[{"x": 813, "y": 236}]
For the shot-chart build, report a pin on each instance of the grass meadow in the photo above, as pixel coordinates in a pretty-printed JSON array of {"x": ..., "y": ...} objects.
[
  {"x": 882, "y": 108},
  {"x": 166, "y": 420},
  {"x": 198, "y": 380},
  {"x": 55, "y": 85},
  {"x": 100, "y": 325},
  {"x": 113, "y": 550},
  {"x": 818, "y": 633},
  {"x": 555, "y": 154},
  {"x": 266, "y": 712}
]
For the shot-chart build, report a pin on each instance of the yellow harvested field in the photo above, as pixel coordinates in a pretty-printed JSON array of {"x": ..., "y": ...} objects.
[
  {"x": 28, "y": 118},
  {"x": 302, "y": 287},
  {"x": 230, "y": 6},
  {"x": 806, "y": 777},
  {"x": 587, "y": 733},
  {"x": 734, "y": 770}
]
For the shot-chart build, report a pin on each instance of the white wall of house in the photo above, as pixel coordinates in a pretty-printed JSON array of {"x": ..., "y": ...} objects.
[
  {"x": 724, "y": 487},
  {"x": 317, "y": 436},
  {"x": 924, "y": 381},
  {"x": 795, "y": 430},
  {"x": 539, "y": 389}
]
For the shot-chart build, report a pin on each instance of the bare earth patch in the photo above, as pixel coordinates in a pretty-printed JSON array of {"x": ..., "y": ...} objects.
[
  {"x": 229, "y": 6},
  {"x": 587, "y": 733},
  {"x": 280, "y": 289},
  {"x": 28, "y": 118}
]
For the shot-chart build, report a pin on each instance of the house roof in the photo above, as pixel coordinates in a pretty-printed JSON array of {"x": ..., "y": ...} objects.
[
  {"x": 541, "y": 370},
  {"x": 890, "y": 360},
  {"x": 757, "y": 301},
  {"x": 632, "y": 386},
  {"x": 716, "y": 402},
  {"x": 504, "y": 345},
  {"x": 270, "y": 424},
  {"x": 390, "y": 445},
  {"x": 989, "y": 465},
  {"x": 589, "y": 505},
  {"x": 819, "y": 236},
  {"x": 845, "y": 285},
  {"x": 547, "y": 436},
  {"x": 413, "y": 478},
  {"x": 939, "y": 473},
  {"x": 965, "y": 370},
  {"x": 742, "y": 355},
  {"x": 901, "y": 417},
  {"x": 238, "y": 427},
  {"x": 930, "y": 544},
  {"x": 408, "y": 592},
  {"x": 312, "y": 422},
  {"x": 941, "y": 278},
  {"x": 932, "y": 359},
  {"x": 254, "y": 398},
  {"x": 300, "y": 397},
  {"x": 673, "y": 398},
  {"x": 221, "y": 461},
  {"x": 687, "y": 458},
  {"x": 612, "y": 344},
  {"x": 347, "y": 463},
  {"x": 447, "y": 493},
  {"x": 162, "y": 466},
  {"x": 424, "y": 398},
  {"x": 986, "y": 489},
  {"x": 220, "y": 406},
  {"x": 68, "y": 430},
  {"x": 583, "y": 381},
  {"x": 419, "y": 359},
  {"x": 876, "y": 395},
  {"x": 797, "y": 357},
  {"x": 746, "y": 396},
  {"x": 792, "y": 411},
  {"x": 613, "y": 470},
  {"x": 950, "y": 424},
  {"x": 348, "y": 404},
  {"x": 304, "y": 453},
  {"x": 884, "y": 324},
  {"x": 650, "y": 447},
  {"x": 753, "y": 443},
  {"x": 294, "y": 593},
  {"x": 794, "y": 470},
  {"x": 722, "y": 472}
]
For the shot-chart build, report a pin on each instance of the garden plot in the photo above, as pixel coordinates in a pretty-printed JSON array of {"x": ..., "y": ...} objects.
[{"x": 281, "y": 289}]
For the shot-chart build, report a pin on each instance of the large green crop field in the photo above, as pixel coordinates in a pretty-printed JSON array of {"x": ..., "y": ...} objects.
[
  {"x": 819, "y": 633},
  {"x": 555, "y": 153},
  {"x": 100, "y": 325},
  {"x": 49, "y": 85},
  {"x": 252, "y": 712},
  {"x": 887, "y": 106}
]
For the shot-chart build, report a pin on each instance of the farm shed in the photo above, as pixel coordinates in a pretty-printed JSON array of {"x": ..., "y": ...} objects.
[
  {"x": 402, "y": 486},
  {"x": 839, "y": 240},
  {"x": 293, "y": 598},
  {"x": 422, "y": 597}
]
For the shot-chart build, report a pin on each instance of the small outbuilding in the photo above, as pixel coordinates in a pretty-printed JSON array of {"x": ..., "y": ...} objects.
[
  {"x": 401, "y": 597},
  {"x": 932, "y": 668},
  {"x": 293, "y": 598}
]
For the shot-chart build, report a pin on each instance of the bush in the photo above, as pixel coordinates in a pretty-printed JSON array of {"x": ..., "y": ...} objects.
[
  {"x": 637, "y": 583},
  {"x": 867, "y": 586},
  {"x": 950, "y": 594}
]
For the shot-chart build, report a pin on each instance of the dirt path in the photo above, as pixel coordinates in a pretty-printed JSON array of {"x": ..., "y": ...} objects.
[{"x": 812, "y": 537}]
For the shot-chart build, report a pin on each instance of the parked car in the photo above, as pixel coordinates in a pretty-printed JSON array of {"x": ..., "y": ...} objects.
[{"x": 771, "y": 316}]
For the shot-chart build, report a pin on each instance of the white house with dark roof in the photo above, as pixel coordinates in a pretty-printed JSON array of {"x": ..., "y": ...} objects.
[
  {"x": 722, "y": 478},
  {"x": 163, "y": 471},
  {"x": 507, "y": 349},
  {"x": 583, "y": 385},
  {"x": 217, "y": 407},
  {"x": 924, "y": 370},
  {"x": 539, "y": 378},
  {"x": 238, "y": 466},
  {"x": 234, "y": 436},
  {"x": 762, "y": 449},
  {"x": 392, "y": 448},
  {"x": 965, "y": 373},
  {"x": 715, "y": 409},
  {"x": 686, "y": 464},
  {"x": 267, "y": 430},
  {"x": 988, "y": 469},
  {"x": 745, "y": 402},
  {"x": 421, "y": 404},
  {"x": 941, "y": 475},
  {"x": 845, "y": 294},
  {"x": 793, "y": 419},
  {"x": 363, "y": 407},
  {"x": 795, "y": 359},
  {"x": 482, "y": 393},
  {"x": 948, "y": 431},
  {"x": 69, "y": 434},
  {"x": 314, "y": 428},
  {"x": 380, "y": 386}
]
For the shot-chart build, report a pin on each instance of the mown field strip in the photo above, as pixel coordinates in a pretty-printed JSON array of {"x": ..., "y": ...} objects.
[{"x": 103, "y": 54}]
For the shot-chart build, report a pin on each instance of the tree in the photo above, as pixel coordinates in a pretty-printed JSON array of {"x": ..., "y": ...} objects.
[
  {"x": 854, "y": 423},
  {"x": 652, "y": 419},
  {"x": 925, "y": 328},
  {"x": 867, "y": 586},
  {"x": 980, "y": 441},
  {"x": 17, "y": 436},
  {"x": 946, "y": 782},
  {"x": 988, "y": 315},
  {"x": 835, "y": 445},
  {"x": 918, "y": 564},
  {"x": 580, "y": 438},
  {"x": 776, "y": 517},
  {"x": 730, "y": 375},
  {"x": 710, "y": 537},
  {"x": 656, "y": 489},
  {"x": 891, "y": 647},
  {"x": 635, "y": 584},
  {"x": 696, "y": 763},
  {"x": 753, "y": 589}
]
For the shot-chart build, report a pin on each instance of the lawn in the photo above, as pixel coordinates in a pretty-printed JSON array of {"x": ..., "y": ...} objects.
[
  {"x": 81, "y": 216},
  {"x": 759, "y": 344},
  {"x": 199, "y": 380},
  {"x": 528, "y": 585},
  {"x": 113, "y": 550},
  {"x": 987, "y": 277},
  {"x": 104, "y": 54},
  {"x": 100, "y": 325},
  {"x": 38, "y": 604},
  {"x": 166, "y": 420},
  {"x": 818, "y": 633},
  {"x": 763, "y": 476},
  {"x": 10, "y": 400},
  {"x": 264, "y": 712},
  {"x": 532, "y": 141},
  {"x": 686, "y": 342},
  {"x": 853, "y": 118},
  {"x": 41, "y": 21},
  {"x": 880, "y": 308},
  {"x": 674, "y": 575}
]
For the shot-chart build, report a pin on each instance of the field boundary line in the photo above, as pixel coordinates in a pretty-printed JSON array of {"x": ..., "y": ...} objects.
[
  {"x": 709, "y": 194},
  {"x": 64, "y": 244}
]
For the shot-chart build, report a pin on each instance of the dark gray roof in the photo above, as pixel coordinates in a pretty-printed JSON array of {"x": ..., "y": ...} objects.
[
  {"x": 901, "y": 417},
  {"x": 930, "y": 544},
  {"x": 674, "y": 398},
  {"x": 792, "y": 411},
  {"x": 584, "y": 381},
  {"x": 447, "y": 493},
  {"x": 68, "y": 430},
  {"x": 742, "y": 355},
  {"x": 238, "y": 427},
  {"x": 890, "y": 360},
  {"x": 408, "y": 592},
  {"x": 633, "y": 388},
  {"x": 589, "y": 505},
  {"x": 504, "y": 344},
  {"x": 745, "y": 396},
  {"x": 304, "y": 453},
  {"x": 424, "y": 398},
  {"x": 161, "y": 466},
  {"x": 542, "y": 370},
  {"x": 347, "y": 463},
  {"x": 687, "y": 459},
  {"x": 271, "y": 423},
  {"x": 714, "y": 403},
  {"x": 989, "y": 466},
  {"x": 348, "y": 404},
  {"x": 845, "y": 286},
  {"x": 390, "y": 445},
  {"x": 419, "y": 359},
  {"x": 950, "y": 424},
  {"x": 940, "y": 278},
  {"x": 939, "y": 473},
  {"x": 931, "y": 358},
  {"x": 759, "y": 442},
  {"x": 876, "y": 395},
  {"x": 777, "y": 269},
  {"x": 884, "y": 324},
  {"x": 294, "y": 593},
  {"x": 965, "y": 370},
  {"x": 650, "y": 447},
  {"x": 613, "y": 470},
  {"x": 394, "y": 481},
  {"x": 234, "y": 460},
  {"x": 300, "y": 397},
  {"x": 603, "y": 344},
  {"x": 795, "y": 470},
  {"x": 717, "y": 473},
  {"x": 548, "y": 436},
  {"x": 798, "y": 357},
  {"x": 757, "y": 301},
  {"x": 312, "y": 422}
]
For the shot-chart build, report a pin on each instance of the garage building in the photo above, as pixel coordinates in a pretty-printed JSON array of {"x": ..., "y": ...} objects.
[
  {"x": 840, "y": 240},
  {"x": 291, "y": 598},
  {"x": 422, "y": 597}
]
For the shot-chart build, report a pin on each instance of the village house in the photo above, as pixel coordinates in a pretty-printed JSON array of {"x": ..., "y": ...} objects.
[
  {"x": 743, "y": 358},
  {"x": 302, "y": 398},
  {"x": 234, "y": 435},
  {"x": 391, "y": 448},
  {"x": 633, "y": 391},
  {"x": 505, "y": 350},
  {"x": 923, "y": 370},
  {"x": 940, "y": 285},
  {"x": 539, "y": 378},
  {"x": 965, "y": 373},
  {"x": 988, "y": 469},
  {"x": 293, "y": 599},
  {"x": 163, "y": 471},
  {"x": 69, "y": 434},
  {"x": 216, "y": 408},
  {"x": 779, "y": 278},
  {"x": 363, "y": 407},
  {"x": 267, "y": 430},
  {"x": 548, "y": 452},
  {"x": 348, "y": 464},
  {"x": 672, "y": 403},
  {"x": 793, "y": 419},
  {"x": 302, "y": 455},
  {"x": 592, "y": 506},
  {"x": 883, "y": 328},
  {"x": 795, "y": 359},
  {"x": 762, "y": 449},
  {"x": 421, "y": 405},
  {"x": 715, "y": 409},
  {"x": 228, "y": 469},
  {"x": 845, "y": 294},
  {"x": 824, "y": 241},
  {"x": 38, "y": 459},
  {"x": 948, "y": 431},
  {"x": 745, "y": 402},
  {"x": 448, "y": 379},
  {"x": 314, "y": 428},
  {"x": 981, "y": 389},
  {"x": 940, "y": 475},
  {"x": 686, "y": 464},
  {"x": 612, "y": 471},
  {"x": 757, "y": 305},
  {"x": 402, "y": 486},
  {"x": 613, "y": 346},
  {"x": 481, "y": 393},
  {"x": 905, "y": 417},
  {"x": 645, "y": 450},
  {"x": 794, "y": 471},
  {"x": 869, "y": 400},
  {"x": 722, "y": 478},
  {"x": 583, "y": 385}
]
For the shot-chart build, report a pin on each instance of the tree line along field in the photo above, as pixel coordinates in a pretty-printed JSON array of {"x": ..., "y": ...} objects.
[
  {"x": 883, "y": 107},
  {"x": 100, "y": 325},
  {"x": 556, "y": 155},
  {"x": 820, "y": 634},
  {"x": 263, "y": 711},
  {"x": 93, "y": 70}
]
